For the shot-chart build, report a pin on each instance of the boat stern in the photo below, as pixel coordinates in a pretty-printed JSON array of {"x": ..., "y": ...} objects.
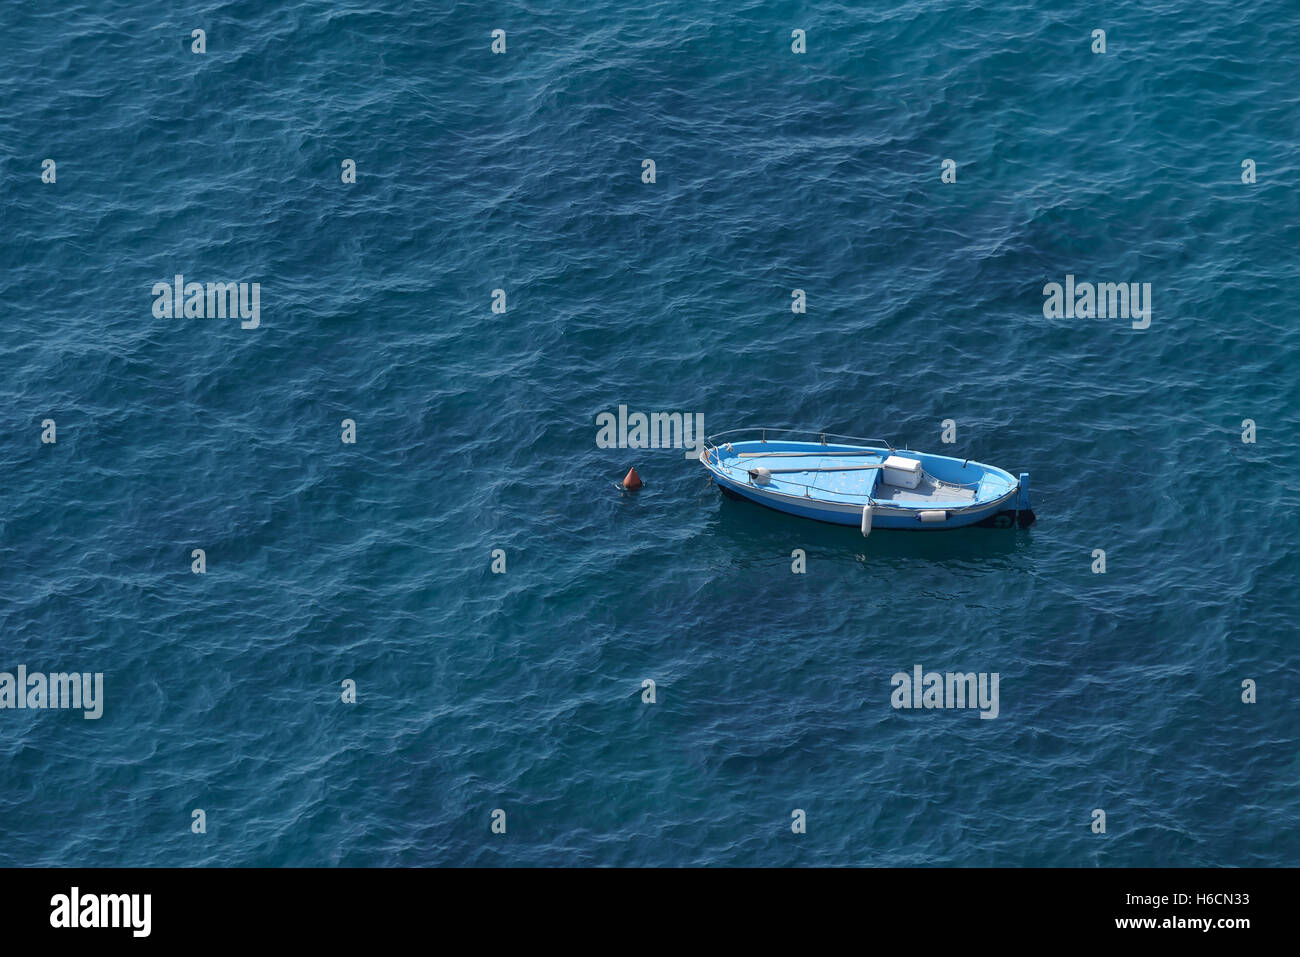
[
  {"x": 1024, "y": 514},
  {"x": 1022, "y": 492}
]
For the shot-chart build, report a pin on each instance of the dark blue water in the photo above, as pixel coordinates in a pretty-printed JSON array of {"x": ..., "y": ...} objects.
[{"x": 476, "y": 431}]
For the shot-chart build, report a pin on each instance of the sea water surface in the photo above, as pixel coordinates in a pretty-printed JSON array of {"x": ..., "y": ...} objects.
[{"x": 476, "y": 430}]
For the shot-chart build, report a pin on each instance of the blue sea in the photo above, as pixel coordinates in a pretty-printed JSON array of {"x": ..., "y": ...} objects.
[{"x": 476, "y": 430}]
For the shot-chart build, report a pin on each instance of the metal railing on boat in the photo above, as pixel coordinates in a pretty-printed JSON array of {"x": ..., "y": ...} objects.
[{"x": 734, "y": 435}]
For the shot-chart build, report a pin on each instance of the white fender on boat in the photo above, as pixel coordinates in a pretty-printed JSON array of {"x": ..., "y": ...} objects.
[
  {"x": 867, "y": 512},
  {"x": 934, "y": 515},
  {"x": 760, "y": 475}
]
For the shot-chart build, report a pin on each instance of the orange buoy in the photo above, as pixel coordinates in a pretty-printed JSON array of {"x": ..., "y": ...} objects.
[{"x": 632, "y": 481}]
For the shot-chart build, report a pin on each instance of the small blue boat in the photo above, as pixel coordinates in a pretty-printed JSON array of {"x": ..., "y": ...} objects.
[{"x": 864, "y": 482}]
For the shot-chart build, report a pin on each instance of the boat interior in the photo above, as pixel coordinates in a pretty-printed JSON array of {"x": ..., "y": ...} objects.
[{"x": 852, "y": 474}]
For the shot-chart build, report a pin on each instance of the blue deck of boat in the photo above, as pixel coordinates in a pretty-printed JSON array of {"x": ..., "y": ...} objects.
[{"x": 847, "y": 487}]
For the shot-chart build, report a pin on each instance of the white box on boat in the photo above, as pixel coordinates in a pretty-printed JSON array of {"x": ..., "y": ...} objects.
[{"x": 901, "y": 472}]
